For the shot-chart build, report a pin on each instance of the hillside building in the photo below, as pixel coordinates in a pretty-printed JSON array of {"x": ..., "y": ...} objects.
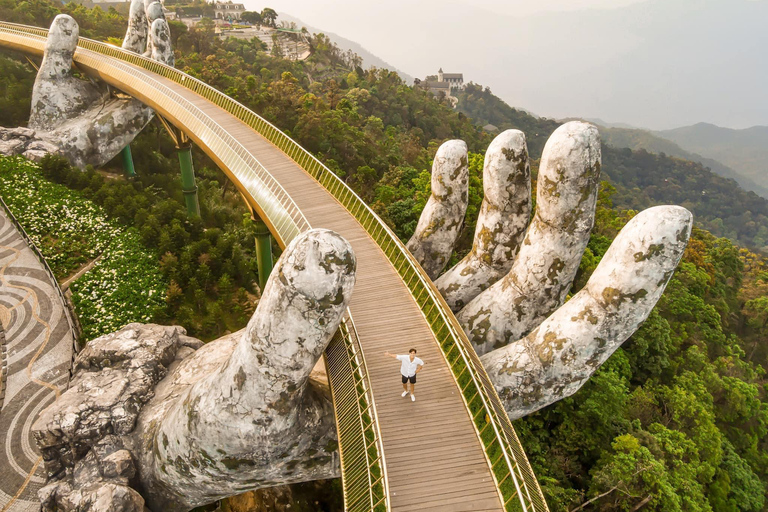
[
  {"x": 228, "y": 10},
  {"x": 442, "y": 82}
]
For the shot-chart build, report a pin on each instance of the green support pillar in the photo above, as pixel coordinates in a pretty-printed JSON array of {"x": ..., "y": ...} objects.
[
  {"x": 263, "y": 252},
  {"x": 188, "y": 180},
  {"x": 127, "y": 159}
]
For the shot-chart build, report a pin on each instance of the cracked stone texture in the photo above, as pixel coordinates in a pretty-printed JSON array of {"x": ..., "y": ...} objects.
[
  {"x": 501, "y": 223},
  {"x": 99, "y": 482},
  {"x": 549, "y": 257},
  {"x": 252, "y": 418},
  {"x": 81, "y": 434},
  {"x": 443, "y": 215},
  {"x": 84, "y": 120},
  {"x": 558, "y": 357}
]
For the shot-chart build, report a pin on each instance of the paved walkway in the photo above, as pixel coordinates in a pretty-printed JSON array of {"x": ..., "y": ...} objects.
[{"x": 38, "y": 354}]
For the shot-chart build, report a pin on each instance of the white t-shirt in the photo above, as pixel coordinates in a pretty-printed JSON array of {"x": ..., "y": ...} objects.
[{"x": 408, "y": 368}]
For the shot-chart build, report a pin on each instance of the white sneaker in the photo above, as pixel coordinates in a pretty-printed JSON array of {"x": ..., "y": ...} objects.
[
  {"x": 413, "y": 398},
  {"x": 404, "y": 393}
]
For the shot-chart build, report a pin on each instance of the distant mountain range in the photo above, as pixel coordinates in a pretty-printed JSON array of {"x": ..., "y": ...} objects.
[
  {"x": 744, "y": 160},
  {"x": 369, "y": 59},
  {"x": 745, "y": 151},
  {"x": 741, "y": 155}
]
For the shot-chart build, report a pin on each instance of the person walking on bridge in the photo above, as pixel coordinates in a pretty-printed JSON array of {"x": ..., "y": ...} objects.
[{"x": 411, "y": 365}]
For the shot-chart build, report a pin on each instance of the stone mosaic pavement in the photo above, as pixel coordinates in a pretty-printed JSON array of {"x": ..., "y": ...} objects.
[{"x": 38, "y": 353}]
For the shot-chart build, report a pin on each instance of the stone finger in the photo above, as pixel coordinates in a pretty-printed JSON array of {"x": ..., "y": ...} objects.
[
  {"x": 251, "y": 420},
  {"x": 558, "y": 357},
  {"x": 549, "y": 256},
  {"x": 135, "y": 38},
  {"x": 442, "y": 217},
  {"x": 57, "y": 95},
  {"x": 501, "y": 224},
  {"x": 154, "y": 12},
  {"x": 161, "y": 42}
]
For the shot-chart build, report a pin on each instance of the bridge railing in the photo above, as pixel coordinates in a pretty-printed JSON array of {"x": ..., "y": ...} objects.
[{"x": 514, "y": 477}]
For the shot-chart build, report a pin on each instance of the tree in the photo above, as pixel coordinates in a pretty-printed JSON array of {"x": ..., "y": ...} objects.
[
  {"x": 251, "y": 17},
  {"x": 269, "y": 16}
]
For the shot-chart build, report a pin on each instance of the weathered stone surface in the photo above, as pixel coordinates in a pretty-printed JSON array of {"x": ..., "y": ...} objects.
[
  {"x": 98, "y": 482},
  {"x": 558, "y": 357},
  {"x": 253, "y": 419},
  {"x": 549, "y": 257},
  {"x": 81, "y": 435},
  {"x": 135, "y": 38},
  {"x": 501, "y": 224},
  {"x": 443, "y": 215},
  {"x": 80, "y": 119}
]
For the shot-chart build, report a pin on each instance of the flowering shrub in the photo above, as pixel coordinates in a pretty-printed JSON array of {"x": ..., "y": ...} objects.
[
  {"x": 124, "y": 286},
  {"x": 68, "y": 229}
]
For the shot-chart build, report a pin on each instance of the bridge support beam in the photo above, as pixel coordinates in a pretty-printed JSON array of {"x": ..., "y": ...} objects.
[
  {"x": 184, "y": 150},
  {"x": 188, "y": 186},
  {"x": 263, "y": 252},
  {"x": 127, "y": 158}
]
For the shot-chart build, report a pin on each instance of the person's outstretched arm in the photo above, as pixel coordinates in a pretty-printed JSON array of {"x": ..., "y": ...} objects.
[{"x": 390, "y": 355}]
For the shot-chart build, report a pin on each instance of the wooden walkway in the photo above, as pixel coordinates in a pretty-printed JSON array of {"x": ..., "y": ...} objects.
[{"x": 434, "y": 458}]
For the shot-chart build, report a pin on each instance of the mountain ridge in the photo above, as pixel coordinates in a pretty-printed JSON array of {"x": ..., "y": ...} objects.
[
  {"x": 744, "y": 150},
  {"x": 369, "y": 59}
]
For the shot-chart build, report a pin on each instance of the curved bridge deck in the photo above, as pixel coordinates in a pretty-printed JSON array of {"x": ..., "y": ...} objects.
[
  {"x": 433, "y": 456},
  {"x": 451, "y": 450},
  {"x": 38, "y": 351}
]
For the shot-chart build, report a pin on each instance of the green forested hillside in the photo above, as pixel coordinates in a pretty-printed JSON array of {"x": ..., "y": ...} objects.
[
  {"x": 676, "y": 420},
  {"x": 744, "y": 150}
]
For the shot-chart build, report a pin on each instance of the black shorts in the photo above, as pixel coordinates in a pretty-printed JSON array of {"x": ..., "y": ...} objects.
[{"x": 407, "y": 379}]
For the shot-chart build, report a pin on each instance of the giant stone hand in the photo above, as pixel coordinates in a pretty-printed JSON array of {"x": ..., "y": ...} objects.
[
  {"x": 82, "y": 120},
  {"x": 152, "y": 415},
  {"x": 508, "y": 292}
]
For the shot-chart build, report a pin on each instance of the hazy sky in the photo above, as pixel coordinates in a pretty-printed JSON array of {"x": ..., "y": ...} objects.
[{"x": 650, "y": 63}]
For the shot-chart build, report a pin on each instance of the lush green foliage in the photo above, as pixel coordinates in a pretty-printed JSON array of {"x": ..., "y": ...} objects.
[
  {"x": 68, "y": 229},
  {"x": 209, "y": 265},
  {"x": 124, "y": 286},
  {"x": 643, "y": 139}
]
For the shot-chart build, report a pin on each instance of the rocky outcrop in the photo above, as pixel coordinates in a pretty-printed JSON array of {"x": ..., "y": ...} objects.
[
  {"x": 24, "y": 142},
  {"x": 82, "y": 435}
]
